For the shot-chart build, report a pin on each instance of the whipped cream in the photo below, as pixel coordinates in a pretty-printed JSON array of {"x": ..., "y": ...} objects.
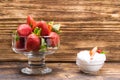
[{"x": 84, "y": 56}]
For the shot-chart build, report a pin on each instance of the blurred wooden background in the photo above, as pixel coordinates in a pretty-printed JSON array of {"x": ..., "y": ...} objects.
[{"x": 85, "y": 24}]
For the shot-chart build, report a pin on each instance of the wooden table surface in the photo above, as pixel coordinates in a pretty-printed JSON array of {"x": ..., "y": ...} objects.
[{"x": 61, "y": 71}]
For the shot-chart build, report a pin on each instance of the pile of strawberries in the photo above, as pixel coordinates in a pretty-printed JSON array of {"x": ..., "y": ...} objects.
[{"x": 33, "y": 34}]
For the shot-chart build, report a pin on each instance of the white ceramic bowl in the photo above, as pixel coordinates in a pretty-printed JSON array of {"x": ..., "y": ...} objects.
[{"x": 91, "y": 66}]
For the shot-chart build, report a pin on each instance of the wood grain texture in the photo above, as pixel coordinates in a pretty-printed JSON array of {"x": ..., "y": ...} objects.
[
  {"x": 85, "y": 24},
  {"x": 61, "y": 71}
]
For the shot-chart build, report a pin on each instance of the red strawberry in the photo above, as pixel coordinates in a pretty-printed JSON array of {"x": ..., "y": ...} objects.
[
  {"x": 54, "y": 39},
  {"x": 20, "y": 43},
  {"x": 31, "y": 22},
  {"x": 24, "y": 30},
  {"x": 99, "y": 50},
  {"x": 33, "y": 42},
  {"x": 45, "y": 31}
]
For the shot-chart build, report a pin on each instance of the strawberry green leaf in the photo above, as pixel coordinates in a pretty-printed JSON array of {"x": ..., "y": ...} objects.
[
  {"x": 56, "y": 27},
  {"x": 37, "y": 31},
  {"x": 103, "y": 52},
  {"x": 43, "y": 46},
  {"x": 58, "y": 32},
  {"x": 17, "y": 37},
  {"x": 50, "y": 23}
]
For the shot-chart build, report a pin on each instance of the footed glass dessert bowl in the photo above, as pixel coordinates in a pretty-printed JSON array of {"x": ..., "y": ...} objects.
[
  {"x": 36, "y": 59},
  {"x": 36, "y": 40}
]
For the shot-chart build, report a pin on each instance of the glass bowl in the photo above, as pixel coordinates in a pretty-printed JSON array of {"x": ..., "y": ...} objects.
[{"x": 36, "y": 59}]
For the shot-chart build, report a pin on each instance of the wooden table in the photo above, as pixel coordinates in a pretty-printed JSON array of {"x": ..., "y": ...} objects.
[
  {"x": 84, "y": 24},
  {"x": 61, "y": 71}
]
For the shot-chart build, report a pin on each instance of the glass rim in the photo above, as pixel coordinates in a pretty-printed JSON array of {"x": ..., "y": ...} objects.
[{"x": 14, "y": 34}]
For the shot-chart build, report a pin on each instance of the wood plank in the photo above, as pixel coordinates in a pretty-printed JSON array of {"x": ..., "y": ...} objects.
[
  {"x": 61, "y": 71},
  {"x": 84, "y": 22}
]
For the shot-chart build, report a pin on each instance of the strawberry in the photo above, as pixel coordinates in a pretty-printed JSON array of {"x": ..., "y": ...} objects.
[
  {"x": 24, "y": 30},
  {"x": 31, "y": 22},
  {"x": 99, "y": 50},
  {"x": 33, "y": 42},
  {"x": 54, "y": 39},
  {"x": 45, "y": 31},
  {"x": 20, "y": 43}
]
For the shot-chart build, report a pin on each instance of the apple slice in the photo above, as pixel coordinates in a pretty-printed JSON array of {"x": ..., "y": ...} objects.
[{"x": 93, "y": 51}]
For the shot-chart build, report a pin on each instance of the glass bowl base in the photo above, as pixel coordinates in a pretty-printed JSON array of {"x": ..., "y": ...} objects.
[{"x": 35, "y": 71}]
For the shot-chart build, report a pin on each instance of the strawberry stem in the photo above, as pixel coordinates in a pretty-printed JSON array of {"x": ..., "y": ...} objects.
[
  {"x": 37, "y": 31},
  {"x": 43, "y": 46}
]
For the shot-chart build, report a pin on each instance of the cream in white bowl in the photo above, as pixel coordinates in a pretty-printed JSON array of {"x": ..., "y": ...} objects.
[{"x": 87, "y": 64}]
